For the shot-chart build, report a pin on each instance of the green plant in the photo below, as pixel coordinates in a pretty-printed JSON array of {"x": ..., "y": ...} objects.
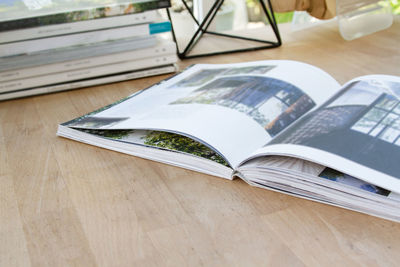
[
  {"x": 284, "y": 17},
  {"x": 395, "y": 6}
]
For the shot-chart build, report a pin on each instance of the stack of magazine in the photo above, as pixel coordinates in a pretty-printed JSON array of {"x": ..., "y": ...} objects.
[
  {"x": 54, "y": 45},
  {"x": 281, "y": 125}
]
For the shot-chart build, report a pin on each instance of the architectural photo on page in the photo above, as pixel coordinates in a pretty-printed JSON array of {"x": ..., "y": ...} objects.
[
  {"x": 245, "y": 104},
  {"x": 273, "y": 103},
  {"x": 361, "y": 124}
]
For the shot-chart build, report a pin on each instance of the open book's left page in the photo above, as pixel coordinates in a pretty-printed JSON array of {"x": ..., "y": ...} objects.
[{"x": 233, "y": 109}]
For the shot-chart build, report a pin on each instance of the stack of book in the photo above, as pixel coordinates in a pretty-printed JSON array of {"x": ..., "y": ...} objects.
[{"x": 49, "y": 46}]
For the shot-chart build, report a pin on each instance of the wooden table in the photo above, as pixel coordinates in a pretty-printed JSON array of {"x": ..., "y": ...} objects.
[{"x": 67, "y": 203}]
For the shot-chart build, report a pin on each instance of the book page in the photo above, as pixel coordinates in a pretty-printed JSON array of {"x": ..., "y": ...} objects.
[
  {"x": 302, "y": 167},
  {"x": 356, "y": 132},
  {"x": 232, "y": 108}
]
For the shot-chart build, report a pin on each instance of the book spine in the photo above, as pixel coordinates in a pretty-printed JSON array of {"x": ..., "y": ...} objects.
[
  {"x": 31, "y": 46},
  {"x": 158, "y": 50},
  {"x": 71, "y": 53},
  {"x": 90, "y": 82},
  {"x": 80, "y": 26},
  {"x": 83, "y": 14},
  {"x": 86, "y": 73}
]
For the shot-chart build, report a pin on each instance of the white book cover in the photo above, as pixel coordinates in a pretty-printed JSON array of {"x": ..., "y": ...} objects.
[
  {"x": 31, "y": 46},
  {"x": 9, "y": 66},
  {"x": 130, "y": 75},
  {"x": 87, "y": 73},
  {"x": 78, "y": 26},
  {"x": 162, "y": 48}
]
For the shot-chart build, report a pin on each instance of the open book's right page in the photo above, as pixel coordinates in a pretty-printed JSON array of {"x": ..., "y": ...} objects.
[{"x": 356, "y": 132}]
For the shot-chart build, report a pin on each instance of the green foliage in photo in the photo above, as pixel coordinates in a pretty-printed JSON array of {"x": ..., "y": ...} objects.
[
  {"x": 184, "y": 144},
  {"x": 112, "y": 134}
]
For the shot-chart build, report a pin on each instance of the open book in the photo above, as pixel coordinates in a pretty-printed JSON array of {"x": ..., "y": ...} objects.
[{"x": 281, "y": 125}]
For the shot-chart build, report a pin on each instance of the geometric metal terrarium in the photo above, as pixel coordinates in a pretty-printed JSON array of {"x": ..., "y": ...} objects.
[{"x": 205, "y": 38}]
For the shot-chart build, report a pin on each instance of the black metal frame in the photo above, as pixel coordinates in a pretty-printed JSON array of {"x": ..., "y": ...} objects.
[{"x": 202, "y": 29}]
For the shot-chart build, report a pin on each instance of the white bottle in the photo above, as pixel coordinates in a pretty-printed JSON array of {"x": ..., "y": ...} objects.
[{"x": 357, "y": 18}]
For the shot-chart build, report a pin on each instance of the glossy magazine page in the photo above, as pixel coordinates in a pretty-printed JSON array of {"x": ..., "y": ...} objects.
[
  {"x": 356, "y": 132},
  {"x": 234, "y": 109}
]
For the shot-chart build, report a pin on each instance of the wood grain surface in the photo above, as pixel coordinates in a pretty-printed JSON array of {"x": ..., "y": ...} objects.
[{"x": 64, "y": 203}]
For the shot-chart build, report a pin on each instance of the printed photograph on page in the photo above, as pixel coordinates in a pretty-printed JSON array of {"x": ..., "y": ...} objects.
[
  {"x": 245, "y": 104},
  {"x": 361, "y": 124}
]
